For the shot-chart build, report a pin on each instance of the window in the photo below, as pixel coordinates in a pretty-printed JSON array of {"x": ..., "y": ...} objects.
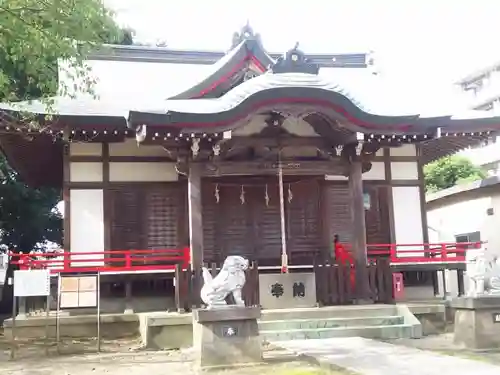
[
  {"x": 468, "y": 237},
  {"x": 417, "y": 278}
]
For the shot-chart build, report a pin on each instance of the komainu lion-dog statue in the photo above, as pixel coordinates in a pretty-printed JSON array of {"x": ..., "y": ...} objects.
[
  {"x": 483, "y": 273},
  {"x": 230, "y": 279}
]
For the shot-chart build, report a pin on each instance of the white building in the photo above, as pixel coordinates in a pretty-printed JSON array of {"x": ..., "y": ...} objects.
[
  {"x": 465, "y": 213},
  {"x": 482, "y": 89}
]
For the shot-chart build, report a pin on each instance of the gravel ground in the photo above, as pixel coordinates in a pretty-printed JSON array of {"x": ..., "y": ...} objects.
[
  {"x": 444, "y": 344},
  {"x": 119, "y": 357},
  {"x": 145, "y": 363}
]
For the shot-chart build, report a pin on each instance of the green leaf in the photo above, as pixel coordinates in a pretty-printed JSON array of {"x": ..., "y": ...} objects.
[
  {"x": 450, "y": 171},
  {"x": 35, "y": 33}
]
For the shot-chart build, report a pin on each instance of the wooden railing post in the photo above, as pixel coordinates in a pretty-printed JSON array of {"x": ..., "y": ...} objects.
[
  {"x": 178, "y": 285},
  {"x": 393, "y": 252},
  {"x": 128, "y": 260},
  {"x": 66, "y": 258},
  {"x": 385, "y": 287},
  {"x": 444, "y": 254}
]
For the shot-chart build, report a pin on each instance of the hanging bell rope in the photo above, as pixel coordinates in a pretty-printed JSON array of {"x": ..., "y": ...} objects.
[{"x": 284, "y": 255}]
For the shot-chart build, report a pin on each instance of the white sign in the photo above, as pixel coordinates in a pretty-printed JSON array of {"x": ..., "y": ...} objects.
[
  {"x": 31, "y": 283},
  {"x": 78, "y": 291}
]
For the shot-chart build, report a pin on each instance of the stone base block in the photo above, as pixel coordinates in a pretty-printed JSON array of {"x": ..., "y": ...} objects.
[
  {"x": 227, "y": 337},
  {"x": 477, "y": 322},
  {"x": 113, "y": 326},
  {"x": 287, "y": 290},
  {"x": 166, "y": 331}
]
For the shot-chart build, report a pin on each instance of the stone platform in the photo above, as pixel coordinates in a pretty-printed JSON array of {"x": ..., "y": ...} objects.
[
  {"x": 168, "y": 330},
  {"x": 477, "y": 322}
]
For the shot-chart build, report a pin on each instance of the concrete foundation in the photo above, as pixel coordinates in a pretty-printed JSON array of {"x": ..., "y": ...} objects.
[
  {"x": 227, "y": 337},
  {"x": 84, "y": 326},
  {"x": 432, "y": 317},
  {"x": 477, "y": 322},
  {"x": 164, "y": 330}
]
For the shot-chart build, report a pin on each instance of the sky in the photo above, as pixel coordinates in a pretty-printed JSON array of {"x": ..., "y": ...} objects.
[
  {"x": 432, "y": 40},
  {"x": 421, "y": 47}
]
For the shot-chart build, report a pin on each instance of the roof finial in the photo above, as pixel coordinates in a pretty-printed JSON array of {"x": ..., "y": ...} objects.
[
  {"x": 246, "y": 33},
  {"x": 295, "y": 61}
]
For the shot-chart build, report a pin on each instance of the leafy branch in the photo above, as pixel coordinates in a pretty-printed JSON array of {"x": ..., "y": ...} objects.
[{"x": 37, "y": 34}]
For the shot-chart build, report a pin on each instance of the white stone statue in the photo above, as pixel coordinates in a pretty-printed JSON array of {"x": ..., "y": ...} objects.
[
  {"x": 230, "y": 279},
  {"x": 483, "y": 273}
]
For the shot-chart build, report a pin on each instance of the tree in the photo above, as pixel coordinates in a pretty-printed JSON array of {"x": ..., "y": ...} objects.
[
  {"x": 27, "y": 216},
  {"x": 34, "y": 34},
  {"x": 450, "y": 171}
]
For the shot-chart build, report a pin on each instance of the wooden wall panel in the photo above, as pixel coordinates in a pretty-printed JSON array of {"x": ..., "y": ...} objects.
[
  {"x": 377, "y": 216},
  {"x": 147, "y": 216},
  {"x": 252, "y": 229},
  {"x": 337, "y": 199}
]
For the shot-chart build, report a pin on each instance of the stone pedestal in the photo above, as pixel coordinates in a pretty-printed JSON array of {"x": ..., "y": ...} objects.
[
  {"x": 477, "y": 322},
  {"x": 225, "y": 337}
]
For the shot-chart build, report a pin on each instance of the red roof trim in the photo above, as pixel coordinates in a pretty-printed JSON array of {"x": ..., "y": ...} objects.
[
  {"x": 270, "y": 102},
  {"x": 214, "y": 85}
]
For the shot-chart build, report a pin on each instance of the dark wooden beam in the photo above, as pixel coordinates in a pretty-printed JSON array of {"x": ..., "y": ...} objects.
[
  {"x": 195, "y": 223},
  {"x": 423, "y": 208},
  {"x": 359, "y": 227},
  {"x": 358, "y": 211},
  {"x": 107, "y": 209},
  {"x": 232, "y": 168},
  {"x": 390, "y": 200},
  {"x": 425, "y": 224},
  {"x": 318, "y": 142},
  {"x": 66, "y": 199}
]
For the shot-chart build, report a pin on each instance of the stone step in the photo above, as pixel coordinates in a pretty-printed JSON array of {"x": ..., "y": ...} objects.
[
  {"x": 329, "y": 312},
  {"x": 276, "y": 325},
  {"x": 394, "y": 331}
]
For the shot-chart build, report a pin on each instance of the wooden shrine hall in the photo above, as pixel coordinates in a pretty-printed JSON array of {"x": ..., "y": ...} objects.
[{"x": 263, "y": 157}]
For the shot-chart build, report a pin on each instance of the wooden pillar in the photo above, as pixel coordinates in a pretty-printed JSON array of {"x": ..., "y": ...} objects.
[
  {"x": 107, "y": 208},
  {"x": 390, "y": 199},
  {"x": 195, "y": 224},
  {"x": 359, "y": 228},
  {"x": 358, "y": 212},
  {"x": 423, "y": 213},
  {"x": 66, "y": 198}
]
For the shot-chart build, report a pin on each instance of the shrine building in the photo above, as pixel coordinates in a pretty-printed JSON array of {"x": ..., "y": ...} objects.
[{"x": 250, "y": 153}]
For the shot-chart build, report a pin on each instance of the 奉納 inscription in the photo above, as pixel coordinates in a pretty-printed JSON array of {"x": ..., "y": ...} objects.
[
  {"x": 299, "y": 290},
  {"x": 277, "y": 290},
  {"x": 229, "y": 331}
]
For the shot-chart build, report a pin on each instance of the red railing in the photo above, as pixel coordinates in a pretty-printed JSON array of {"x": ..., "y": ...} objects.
[
  {"x": 167, "y": 259},
  {"x": 422, "y": 253},
  {"x": 104, "y": 261}
]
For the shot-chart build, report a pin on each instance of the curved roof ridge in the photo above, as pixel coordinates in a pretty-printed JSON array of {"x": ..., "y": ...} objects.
[
  {"x": 238, "y": 94},
  {"x": 232, "y": 62}
]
